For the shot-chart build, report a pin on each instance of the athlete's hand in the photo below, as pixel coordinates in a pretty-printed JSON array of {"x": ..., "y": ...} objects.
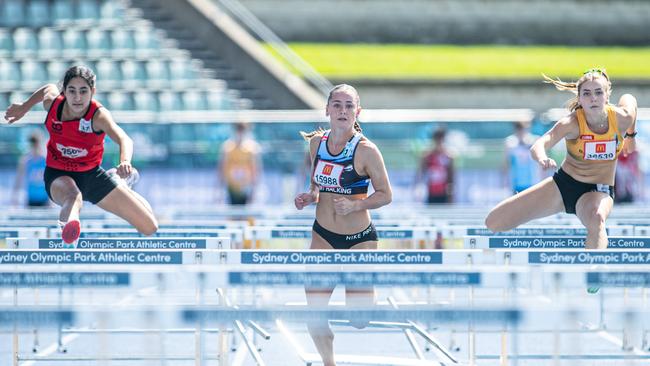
[
  {"x": 548, "y": 163},
  {"x": 304, "y": 199},
  {"x": 344, "y": 206},
  {"x": 124, "y": 169},
  {"x": 15, "y": 112},
  {"x": 629, "y": 146}
]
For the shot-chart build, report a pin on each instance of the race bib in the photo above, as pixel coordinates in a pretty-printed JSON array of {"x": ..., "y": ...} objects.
[
  {"x": 328, "y": 175},
  {"x": 85, "y": 126},
  {"x": 71, "y": 152},
  {"x": 600, "y": 150}
]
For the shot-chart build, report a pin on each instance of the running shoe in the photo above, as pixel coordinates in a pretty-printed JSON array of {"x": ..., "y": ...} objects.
[{"x": 71, "y": 232}]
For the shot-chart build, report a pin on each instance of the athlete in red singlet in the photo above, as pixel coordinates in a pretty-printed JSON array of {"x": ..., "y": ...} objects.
[
  {"x": 437, "y": 170},
  {"x": 77, "y": 125}
]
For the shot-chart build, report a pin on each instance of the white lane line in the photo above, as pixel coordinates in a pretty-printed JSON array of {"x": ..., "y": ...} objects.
[
  {"x": 619, "y": 342},
  {"x": 72, "y": 336},
  {"x": 53, "y": 348}
]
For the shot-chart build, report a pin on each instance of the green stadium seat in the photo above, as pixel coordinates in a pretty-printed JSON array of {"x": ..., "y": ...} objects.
[
  {"x": 120, "y": 100},
  {"x": 4, "y": 101},
  {"x": 133, "y": 74},
  {"x": 122, "y": 43},
  {"x": 146, "y": 40},
  {"x": 102, "y": 97},
  {"x": 25, "y": 43},
  {"x": 157, "y": 73},
  {"x": 13, "y": 13},
  {"x": 34, "y": 74},
  {"x": 169, "y": 101},
  {"x": 50, "y": 43},
  {"x": 56, "y": 70},
  {"x": 74, "y": 42},
  {"x": 184, "y": 72},
  {"x": 216, "y": 100},
  {"x": 91, "y": 64},
  {"x": 194, "y": 100},
  {"x": 62, "y": 11},
  {"x": 98, "y": 43},
  {"x": 111, "y": 10},
  {"x": 87, "y": 10},
  {"x": 245, "y": 103},
  {"x": 179, "y": 69},
  {"x": 6, "y": 43},
  {"x": 231, "y": 100},
  {"x": 9, "y": 74},
  {"x": 145, "y": 101},
  {"x": 109, "y": 74},
  {"x": 38, "y": 13},
  {"x": 21, "y": 96}
]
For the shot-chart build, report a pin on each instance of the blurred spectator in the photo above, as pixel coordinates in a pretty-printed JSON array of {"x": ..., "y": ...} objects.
[
  {"x": 29, "y": 174},
  {"x": 628, "y": 178},
  {"x": 436, "y": 170},
  {"x": 520, "y": 169},
  {"x": 240, "y": 165}
]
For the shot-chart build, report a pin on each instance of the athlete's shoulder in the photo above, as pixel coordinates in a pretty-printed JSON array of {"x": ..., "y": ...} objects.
[
  {"x": 251, "y": 146},
  {"x": 622, "y": 113},
  {"x": 228, "y": 145},
  {"x": 511, "y": 141},
  {"x": 568, "y": 119},
  {"x": 367, "y": 147},
  {"x": 316, "y": 138}
]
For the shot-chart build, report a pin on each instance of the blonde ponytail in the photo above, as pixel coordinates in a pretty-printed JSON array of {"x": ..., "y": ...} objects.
[
  {"x": 573, "y": 103},
  {"x": 574, "y": 87}
]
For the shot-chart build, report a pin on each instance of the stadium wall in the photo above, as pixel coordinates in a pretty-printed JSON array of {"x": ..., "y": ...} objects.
[{"x": 570, "y": 22}]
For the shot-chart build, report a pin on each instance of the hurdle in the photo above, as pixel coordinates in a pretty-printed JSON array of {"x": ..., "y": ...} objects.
[
  {"x": 554, "y": 242},
  {"x": 235, "y": 235},
  {"x": 528, "y": 238},
  {"x": 419, "y": 237},
  {"x": 154, "y": 243},
  {"x": 447, "y": 278}
]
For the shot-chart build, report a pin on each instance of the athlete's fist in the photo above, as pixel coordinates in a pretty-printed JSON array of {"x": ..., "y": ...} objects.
[
  {"x": 344, "y": 206},
  {"x": 15, "y": 112},
  {"x": 124, "y": 169},
  {"x": 304, "y": 199},
  {"x": 548, "y": 163}
]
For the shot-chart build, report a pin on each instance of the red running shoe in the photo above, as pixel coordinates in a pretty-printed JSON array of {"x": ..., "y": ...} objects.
[{"x": 71, "y": 232}]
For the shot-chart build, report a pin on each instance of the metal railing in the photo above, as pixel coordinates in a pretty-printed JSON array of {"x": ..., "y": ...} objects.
[{"x": 264, "y": 33}]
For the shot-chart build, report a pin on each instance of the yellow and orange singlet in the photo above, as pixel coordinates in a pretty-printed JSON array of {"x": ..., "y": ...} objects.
[{"x": 591, "y": 146}]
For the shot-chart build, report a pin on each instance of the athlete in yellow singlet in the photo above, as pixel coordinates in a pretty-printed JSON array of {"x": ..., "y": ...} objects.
[
  {"x": 239, "y": 166},
  {"x": 596, "y": 132}
]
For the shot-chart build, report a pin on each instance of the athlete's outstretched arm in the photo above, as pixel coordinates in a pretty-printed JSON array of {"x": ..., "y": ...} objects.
[
  {"x": 46, "y": 94},
  {"x": 627, "y": 119},
  {"x": 103, "y": 121},
  {"x": 565, "y": 127}
]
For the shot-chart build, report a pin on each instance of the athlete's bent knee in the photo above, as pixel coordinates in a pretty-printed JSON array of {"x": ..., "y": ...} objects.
[
  {"x": 493, "y": 224},
  {"x": 597, "y": 219},
  {"x": 149, "y": 228},
  {"x": 72, "y": 196}
]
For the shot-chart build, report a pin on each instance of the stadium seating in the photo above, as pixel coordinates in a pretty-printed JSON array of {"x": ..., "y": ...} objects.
[
  {"x": 138, "y": 67},
  {"x": 50, "y": 43}
]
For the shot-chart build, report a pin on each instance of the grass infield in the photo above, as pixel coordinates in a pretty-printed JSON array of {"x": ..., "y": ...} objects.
[{"x": 401, "y": 61}]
